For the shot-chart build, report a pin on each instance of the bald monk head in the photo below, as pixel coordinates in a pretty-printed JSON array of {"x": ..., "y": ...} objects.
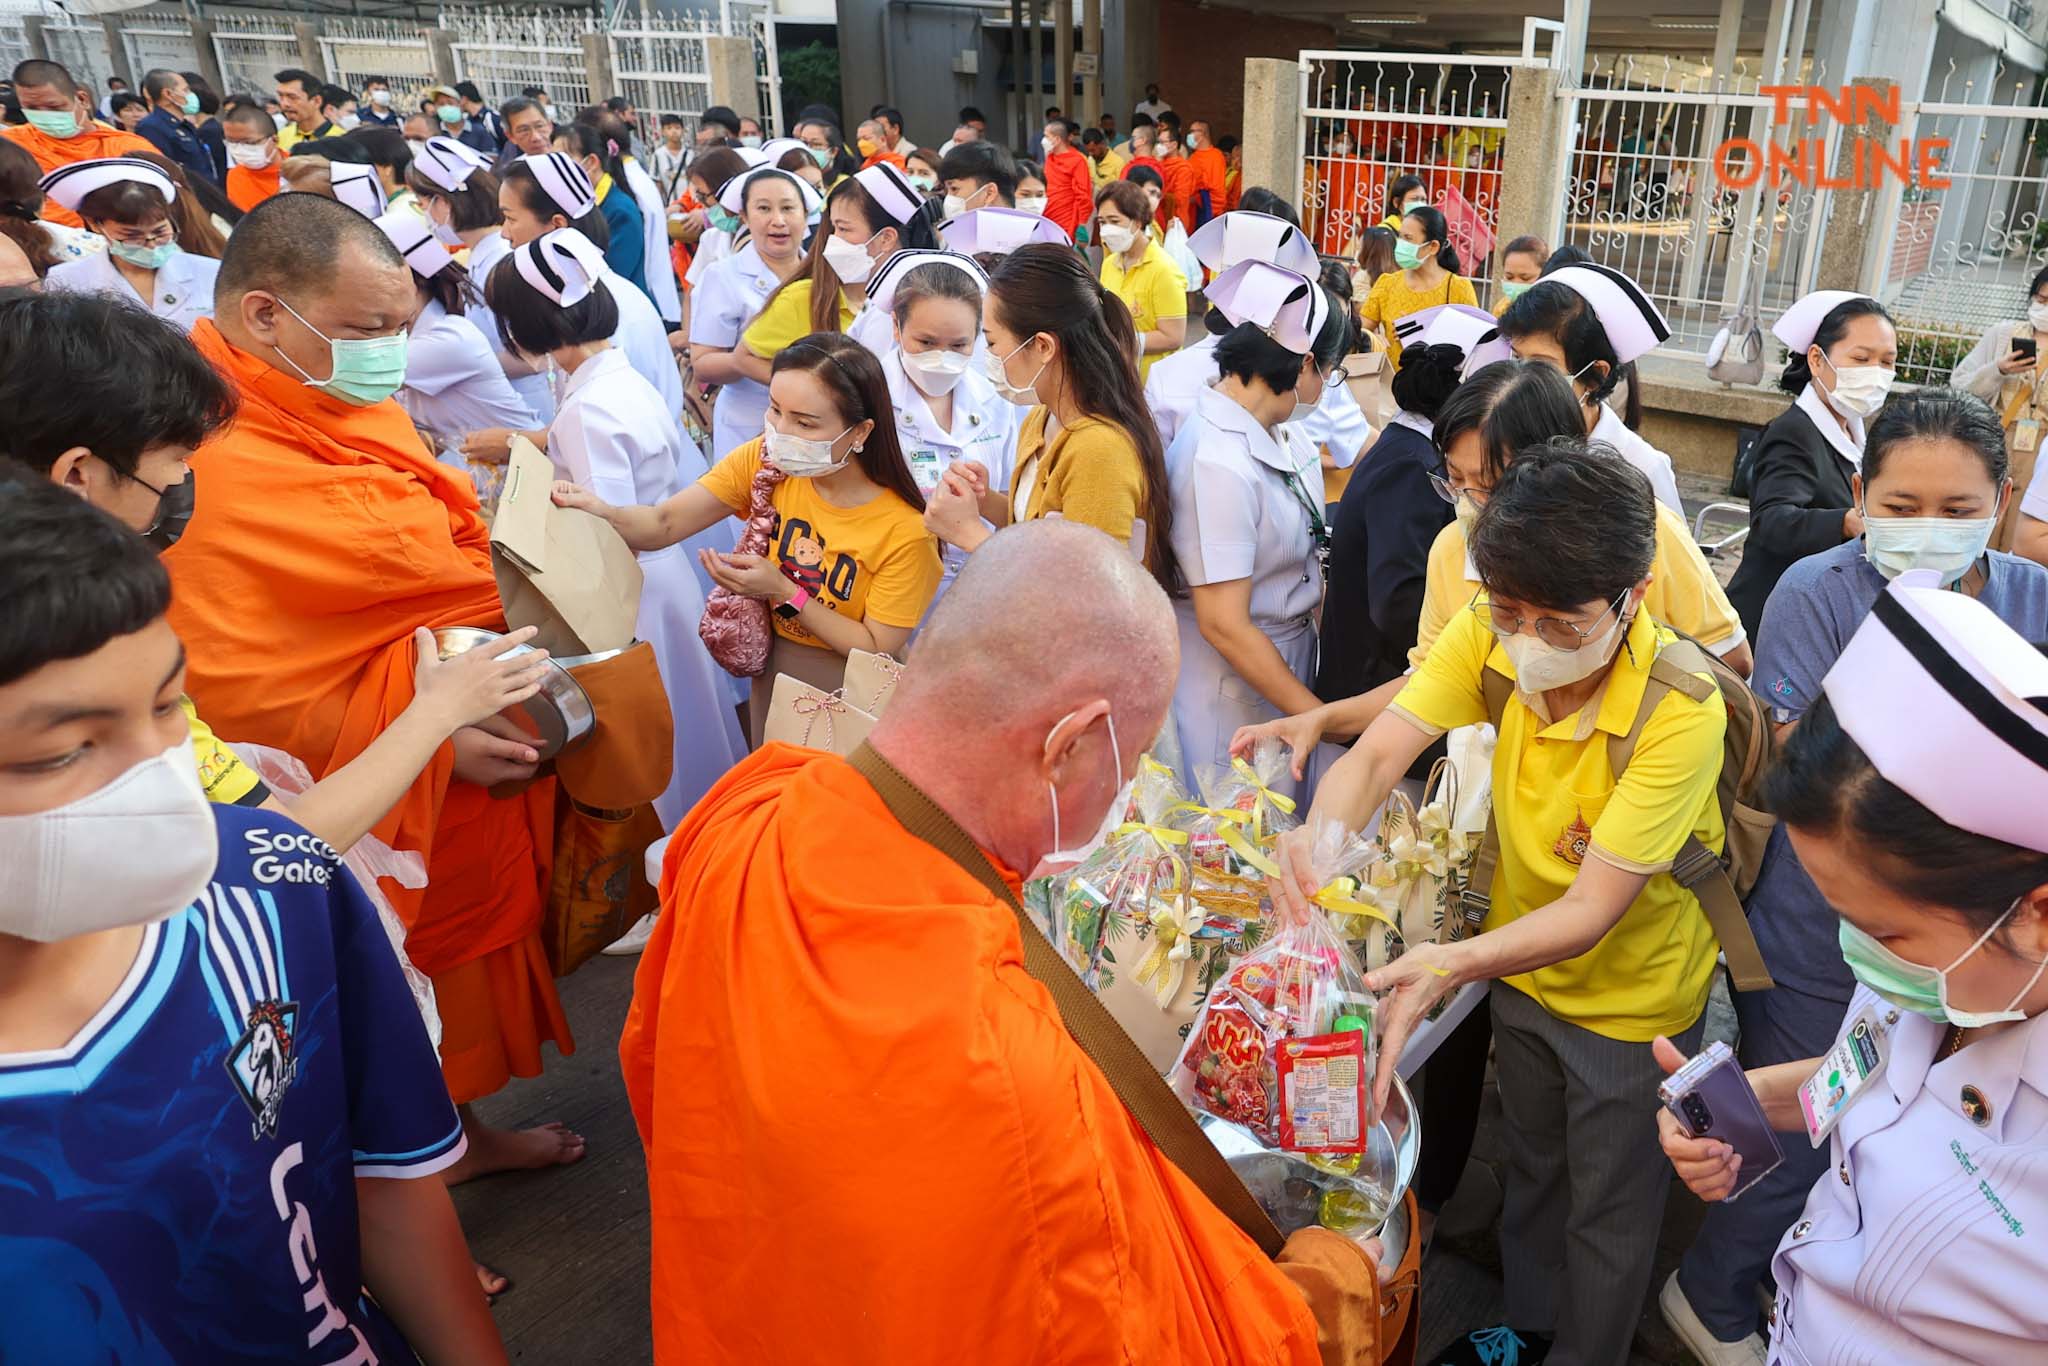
[
  {"x": 302, "y": 271},
  {"x": 1051, "y": 635},
  {"x": 48, "y": 88}
]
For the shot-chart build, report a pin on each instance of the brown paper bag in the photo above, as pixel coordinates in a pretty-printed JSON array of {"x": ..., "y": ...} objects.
[
  {"x": 799, "y": 714},
  {"x": 560, "y": 569},
  {"x": 599, "y": 889},
  {"x": 870, "y": 680}
]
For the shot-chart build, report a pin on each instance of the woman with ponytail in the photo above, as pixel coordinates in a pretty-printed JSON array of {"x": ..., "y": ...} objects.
[{"x": 1060, "y": 342}]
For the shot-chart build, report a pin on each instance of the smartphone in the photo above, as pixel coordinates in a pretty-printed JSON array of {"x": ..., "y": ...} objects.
[
  {"x": 1712, "y": 1098},
  {"x": 2024, "y": 346}
]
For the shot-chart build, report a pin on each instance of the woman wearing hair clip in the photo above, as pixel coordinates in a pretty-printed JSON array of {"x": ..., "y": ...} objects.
[
  {"x": 161, "y": 254},
  {"x": 1912, "y": 791},
  {"x": 852, "y": 567},
  {"x": 611, "y": 437},
  {"x": 773, "y": 206},
  {"x": 1248, "y": 511}
]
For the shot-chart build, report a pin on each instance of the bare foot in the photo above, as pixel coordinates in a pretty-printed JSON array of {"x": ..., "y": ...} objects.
[
  {"x": 504, "y": 1150},
  {"x": 493, "y": 1284}
]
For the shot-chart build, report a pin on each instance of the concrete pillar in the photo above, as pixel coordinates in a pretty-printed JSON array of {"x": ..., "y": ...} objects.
[
  {"x": 1091, "y": 86},
  {"x": 1034, "y": 107},
  {"x": 1019, "y": 119},
  {"x": 597, "y": 68},
  {"x": 1712, "y": 133},
  {"x": 1572, "y": 42},
  {"x": 1534, "y": 169},
  {"x": 730, "y": 64},
  {"x": 1138, "y": 59},
  {"x": 117, "y": 55},
  {"x": 310, "y": 57},
  {"x": 209, "y": 56},
  {"x": 1855, "y": 249},
  {"x": 441, "y": 55},
  {"x": 1272, "y": 125},
  {"x": 1063, "y": 55},
  {"x": 32, "y": 34}
]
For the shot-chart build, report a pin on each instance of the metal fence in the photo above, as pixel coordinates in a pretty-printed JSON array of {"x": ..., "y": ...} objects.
[
  {"x": 1643, "y": 195},
  {"x": 1369, "y": 119},
  {"x": 393, "y": 49},
  {"x": 165, "y": 42},
  {"x": 755, "y": 19},
  {"x": 13, "y": 42},
  {"x": 252, "y": 49},
  {"x": 80, "y": 45},
  {"x": 505, "y": 53},
  {"x": 659, "y": 64}
]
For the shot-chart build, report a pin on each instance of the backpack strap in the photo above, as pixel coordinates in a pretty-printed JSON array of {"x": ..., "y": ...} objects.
[{"x": 1696, "y": 868}]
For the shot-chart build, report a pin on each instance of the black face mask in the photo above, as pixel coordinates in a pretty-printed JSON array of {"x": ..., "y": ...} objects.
[{"x": 173, "y": 511}]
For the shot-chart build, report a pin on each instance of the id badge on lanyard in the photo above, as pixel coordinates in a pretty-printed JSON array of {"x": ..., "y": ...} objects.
[
  {"x": 1318, "y": 529},
  {"x": 1852, "y": 1066}
]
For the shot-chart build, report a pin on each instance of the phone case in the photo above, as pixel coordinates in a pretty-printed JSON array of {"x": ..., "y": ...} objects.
[{"x": 1712, "y": 1098}]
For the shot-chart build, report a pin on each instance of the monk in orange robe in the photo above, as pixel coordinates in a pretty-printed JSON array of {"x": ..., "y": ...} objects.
[
  {"x": 870, "y": 1139},
  {"x": 325, "y": 535},
  {"x": 1179, "y": 176},
  {"x": 48, "y": 89},
  {"x": 1209, "y": 168}
]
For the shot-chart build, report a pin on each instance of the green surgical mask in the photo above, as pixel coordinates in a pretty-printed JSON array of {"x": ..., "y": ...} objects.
[
  {"x": 1407, "y": 255},
  {"x": 1919, "y": 988},
  {"x": 722, "y": 220},
  {"x": 366, "y": 370},
  {"x": 149, "y": 258},
  {"x": 1514, "y": 289},
  {"x": 191, "y": 104},
  {"x": 52, "y": 122},
  {"x": 821, "y": 155}
]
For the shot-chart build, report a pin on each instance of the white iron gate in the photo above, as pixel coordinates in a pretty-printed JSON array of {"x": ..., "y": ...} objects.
[
  {"x": 393, "y": 49},
  {"x": 659, "y": 64},
  {"x": 755, "y": 19},
  {"x": 252, "y": 49},
  {"x": 159, "y": 42},
  {"x": 80, "y": 47},
  {"x": 505, "y": 53}
]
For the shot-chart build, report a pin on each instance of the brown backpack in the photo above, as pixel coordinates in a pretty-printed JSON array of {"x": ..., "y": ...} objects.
[{"x": 1719, "y": 883}]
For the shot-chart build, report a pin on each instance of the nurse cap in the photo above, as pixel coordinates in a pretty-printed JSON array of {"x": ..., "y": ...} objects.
[
  {"x": 733, "y": 198},
  {"x": 356, "y": 184},
  {"x": 561, "y": 178},
  {"x": 449, "y": 164},
  {"x": 1632, "y": 323},
  {"x": 558, "y": 266},
  {"x": 1242, "y": 235},
  {"x": 1472, "y": 330},
  {"x": 998, "y": 230},
  {"x": 1801, "y": 321},
  {"x": 882, "y": 287},
  {"x": 892, "y": 190},
  {"x": 415, "y": 242},
  {"x": 69, "y": 184},
  {"x": 1287, "y": 306},
  {"x": 1951, "y": 705},
  {"x": 775, "y": 149}
]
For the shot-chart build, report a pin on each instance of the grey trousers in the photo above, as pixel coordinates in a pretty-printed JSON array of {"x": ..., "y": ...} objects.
[
  {"x": 1734, "y": 1248},
  {"x": 1586, "y": 1180}
]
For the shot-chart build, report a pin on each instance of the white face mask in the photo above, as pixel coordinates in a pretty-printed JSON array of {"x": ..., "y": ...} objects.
[
  {"x": 935, "y": 372},
  {"x": 418, "y": 147},
  {"x": 349, "y": 122},
  {"x": 750, "y": 139},
  {"x": 954, "y": 206},
  {"x": 1061, "y": 859},
  {"x": 1947, "y": 545},
  {"x": 801, "y": 457},
  {"x": 1117, "y": 238},
  {"x": 1045, "y": 146},
  {"x": 1032, "y": 204},
  {"x": 997, "y": 368},
  {"x": 138, "y": 850},
  {"x": 380, "y": 98},
  {"x": 252, "y": 156},
  {"x": 1859, "y": 390},
  {"x": 1541, "y": 666},
  {"x": 2037, "y": 316},
  {"x": 849, "y": 260}
]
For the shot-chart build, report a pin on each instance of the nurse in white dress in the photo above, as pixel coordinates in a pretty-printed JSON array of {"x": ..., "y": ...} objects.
[
  {"x": 1914, "y": 795},
  {"x": 1248, "y": 513},
  {"x": 130, "y": 203},
  {"x": 458, "y": 195},
  {"x": 612, "y": 435},
  {"x": 1593, "y": 323},
  {"x": 945, "y": 408},
  {"x": 774, "y": 206},
  {"x": 543, "y": 193},
  {"x": 453, "y": 383},
  {"x": 1219, "y": 244}
]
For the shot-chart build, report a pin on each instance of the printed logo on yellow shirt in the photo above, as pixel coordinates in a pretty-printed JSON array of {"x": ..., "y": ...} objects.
[
  {"x": 805, "y": 561},
  {"x": 1572, "y": 844}
]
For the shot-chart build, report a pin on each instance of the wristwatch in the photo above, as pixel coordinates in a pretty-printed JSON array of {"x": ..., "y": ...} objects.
[{"x": 795, "y": 604}]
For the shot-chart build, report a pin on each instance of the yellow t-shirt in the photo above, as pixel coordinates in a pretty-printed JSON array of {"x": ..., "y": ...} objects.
[
  {"x": 1683, "y": 592},
  {"x": 786, "y": 318},
  {"x": 875, "y": 562},
  {"x": 1390, "y": 299},
  {"x": 1090, "y": 474},
  {"x": 1153, "y": 289},
  {"x": 222, "y": 774},
  {"x": 1111, "y": 167},
  {"x": 1557, "y": 803}
]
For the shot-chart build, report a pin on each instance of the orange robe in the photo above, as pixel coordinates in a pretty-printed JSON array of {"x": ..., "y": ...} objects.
[
  {"x": 869, "y": 1137},
  {"x": 50, "y": 153},
  {"x": 247, "y": 188},
  {"x": 1211, "y": 172},
  {"x": 328, "y": 533},
  {"x": 1179, "y": 175}
]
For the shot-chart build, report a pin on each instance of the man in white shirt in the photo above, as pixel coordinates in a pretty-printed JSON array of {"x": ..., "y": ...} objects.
[{"x": 1152, "y": 106}]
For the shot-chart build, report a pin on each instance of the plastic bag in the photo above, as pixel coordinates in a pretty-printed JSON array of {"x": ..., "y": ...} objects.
[
  {"x": 369, "y": 858},
  {"x": 1138, "y": 877},
  {"x": 1417, "y": 871}
]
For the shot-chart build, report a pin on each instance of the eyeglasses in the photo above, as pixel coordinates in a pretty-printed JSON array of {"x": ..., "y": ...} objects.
[
  {"x": 1449, "y": 492},
  {"x": 137, "y": 237},
  {"x": 1555, "y": 632}
]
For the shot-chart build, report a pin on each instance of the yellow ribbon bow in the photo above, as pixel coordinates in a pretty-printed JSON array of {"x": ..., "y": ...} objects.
[
  {"x": 1280, "y": 800},
  {"x": 1173, "y": 942},
  {"x": 1161, "y": 833}
]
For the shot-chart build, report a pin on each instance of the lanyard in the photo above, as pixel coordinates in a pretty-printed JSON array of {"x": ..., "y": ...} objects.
[{"x": 1318, "y": 529}]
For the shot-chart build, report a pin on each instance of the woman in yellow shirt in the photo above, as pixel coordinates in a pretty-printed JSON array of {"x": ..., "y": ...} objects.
[
  {"x": 1428, "y": 276},
  {"x": 851, "y": 567},
  {"x": 1137, "y": 270},
  {"x": 1089, "y": 449},
  {"x": 869, "y": 217}
]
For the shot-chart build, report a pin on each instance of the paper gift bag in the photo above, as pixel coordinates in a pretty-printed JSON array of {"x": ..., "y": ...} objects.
[
  {"x": 799, "y": 714},
  {"x": 870, "y": 680},
  {"x": 597, "y": 891},
  {"x": 560, "y": 569},
  {"x": 1365, "y": 374}
]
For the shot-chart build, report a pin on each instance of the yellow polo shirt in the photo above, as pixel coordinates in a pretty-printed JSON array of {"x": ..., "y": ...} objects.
[
  {"x": 1557, "y": 803},
  {"x": 1683, "y": 594},
  {"x": 1153, "y": 289},
  {"x": 1111, "y": 167},
  {"x": 786, "y": 318}
]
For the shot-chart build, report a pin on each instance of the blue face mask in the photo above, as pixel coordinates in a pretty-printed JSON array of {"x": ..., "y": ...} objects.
[{"x": 148, "y": 258}]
